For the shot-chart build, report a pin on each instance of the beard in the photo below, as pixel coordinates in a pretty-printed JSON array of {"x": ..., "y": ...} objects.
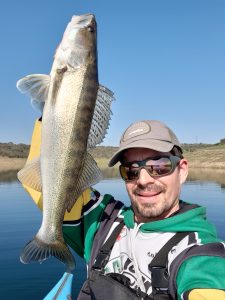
[{"x": 148, "y": 210}]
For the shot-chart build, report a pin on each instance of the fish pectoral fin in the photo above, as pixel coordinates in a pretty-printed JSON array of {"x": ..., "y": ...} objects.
[
  {"x": 101, "y": 117},
  {"x": 35, "y": 86},
  {"x": 90, "y": 175},
  {"x": 30, "y": 175}
]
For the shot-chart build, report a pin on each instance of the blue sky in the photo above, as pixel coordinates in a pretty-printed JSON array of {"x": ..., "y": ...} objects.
[{"x": 164, "y": 59}]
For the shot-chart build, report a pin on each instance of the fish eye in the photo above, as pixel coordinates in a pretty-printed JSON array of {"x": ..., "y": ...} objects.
[{"x": 90, "y": 28}]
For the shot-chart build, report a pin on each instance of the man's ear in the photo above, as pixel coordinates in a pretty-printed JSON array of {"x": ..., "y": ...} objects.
[{"x": 183, "y": 170}]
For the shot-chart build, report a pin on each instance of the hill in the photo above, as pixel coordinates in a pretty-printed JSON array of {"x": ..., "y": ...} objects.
[{"x": 212, "y": 156}]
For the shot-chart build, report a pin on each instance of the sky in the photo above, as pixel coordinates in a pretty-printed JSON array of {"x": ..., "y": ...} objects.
[{"x": 163, "y": 59}]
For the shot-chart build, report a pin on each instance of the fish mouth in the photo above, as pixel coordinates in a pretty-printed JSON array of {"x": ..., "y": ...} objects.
[
  {"x": 82, "y": 20},
  {"x": 79, "y": 36},
  {"x": 77, "y": 24}
]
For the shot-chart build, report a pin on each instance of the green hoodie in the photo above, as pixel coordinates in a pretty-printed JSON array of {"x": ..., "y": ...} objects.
[{"x": 203, "y": 271}]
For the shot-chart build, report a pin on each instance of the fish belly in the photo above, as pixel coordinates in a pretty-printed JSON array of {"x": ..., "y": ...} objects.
[{"x": 65, "y": 130}]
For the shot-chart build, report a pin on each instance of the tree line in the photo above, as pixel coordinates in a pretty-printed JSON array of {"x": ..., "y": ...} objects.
[{"x": 21, "y": 150}]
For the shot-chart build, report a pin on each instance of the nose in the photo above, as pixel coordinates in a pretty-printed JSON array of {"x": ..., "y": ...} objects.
[{"x": 144, "y": 177}]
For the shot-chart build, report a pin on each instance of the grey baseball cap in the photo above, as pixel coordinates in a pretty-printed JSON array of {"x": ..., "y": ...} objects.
[{"x": 150, "y": 134}]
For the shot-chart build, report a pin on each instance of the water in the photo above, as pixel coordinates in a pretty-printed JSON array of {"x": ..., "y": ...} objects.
[{"x": 20, "y": 220}]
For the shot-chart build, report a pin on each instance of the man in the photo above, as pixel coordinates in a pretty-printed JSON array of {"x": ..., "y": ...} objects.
[{"x": 158, "y": 248}]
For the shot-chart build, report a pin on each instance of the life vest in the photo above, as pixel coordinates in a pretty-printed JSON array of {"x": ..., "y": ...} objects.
[
  {"x": 100, "y": 286},
  {"x": 113, "y": 286}
]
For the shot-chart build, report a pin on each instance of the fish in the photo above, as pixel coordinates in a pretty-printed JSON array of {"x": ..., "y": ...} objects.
[{"x": 76, "y": 111}]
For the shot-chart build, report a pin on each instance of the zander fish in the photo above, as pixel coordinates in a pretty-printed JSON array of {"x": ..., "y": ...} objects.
[{"x": 76, "y": 114}]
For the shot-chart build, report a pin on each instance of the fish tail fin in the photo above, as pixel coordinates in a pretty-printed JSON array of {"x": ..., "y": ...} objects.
[{"x": 37, "y": 250}]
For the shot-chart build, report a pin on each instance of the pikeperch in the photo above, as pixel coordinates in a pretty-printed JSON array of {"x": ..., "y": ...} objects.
[{"x": 76, "y": 114}]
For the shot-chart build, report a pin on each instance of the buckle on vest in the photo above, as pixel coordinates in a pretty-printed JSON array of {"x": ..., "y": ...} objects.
[
  {"x": 100, "y": 260},
  {"x": 160, "y": 279}
]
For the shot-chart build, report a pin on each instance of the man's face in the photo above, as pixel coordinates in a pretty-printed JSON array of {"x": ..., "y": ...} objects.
[{"x": 154, "y": 198}]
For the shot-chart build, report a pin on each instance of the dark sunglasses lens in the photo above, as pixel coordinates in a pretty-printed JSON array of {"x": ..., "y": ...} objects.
[
  {"x": 155, "y": 168},
  {"x": 159, "y": 167},
  {"x": 129, "y": 173}
]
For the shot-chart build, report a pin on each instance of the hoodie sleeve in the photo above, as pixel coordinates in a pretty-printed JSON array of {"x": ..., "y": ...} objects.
[{"x": 201, "y": 277}]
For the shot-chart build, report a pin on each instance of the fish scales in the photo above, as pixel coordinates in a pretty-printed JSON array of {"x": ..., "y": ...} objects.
[
  {"x": 71, "y": 123},
  {"x": 66, "y": 133},
  {"x": 66, "y": 130}
]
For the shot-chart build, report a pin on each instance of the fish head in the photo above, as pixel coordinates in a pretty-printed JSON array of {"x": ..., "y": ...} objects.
[{"x": 78, "y": 45}]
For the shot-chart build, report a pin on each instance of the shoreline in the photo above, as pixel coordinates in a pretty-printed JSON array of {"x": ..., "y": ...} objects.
[
  {"x": 10, "y": 166},
  {"x": 15, "y": 164}
]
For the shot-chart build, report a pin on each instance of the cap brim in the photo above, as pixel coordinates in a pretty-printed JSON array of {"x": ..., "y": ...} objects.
[{"x": 161, "y": 146}]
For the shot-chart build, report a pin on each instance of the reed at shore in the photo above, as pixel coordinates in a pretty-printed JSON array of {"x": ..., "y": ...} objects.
[
  {"x": 204, "y": 165},
  {"x": 11, "y": 163}
]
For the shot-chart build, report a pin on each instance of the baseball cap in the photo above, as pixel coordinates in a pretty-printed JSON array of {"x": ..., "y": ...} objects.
[{"x": 150, "y": 134}]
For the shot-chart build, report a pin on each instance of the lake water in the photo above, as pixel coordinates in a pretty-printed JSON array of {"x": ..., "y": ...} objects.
[{"x": 20, "y": 220}]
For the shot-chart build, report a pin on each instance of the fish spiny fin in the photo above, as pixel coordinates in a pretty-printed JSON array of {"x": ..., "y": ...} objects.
[
  {"x": 36, "y": 87},
  {"x": 30, "y": 175},
  {"x": 101, "y": 117},
  {"x": 90, "y": 175}
]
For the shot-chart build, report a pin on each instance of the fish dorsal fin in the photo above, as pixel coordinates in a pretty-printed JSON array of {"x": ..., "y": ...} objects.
[
  {"x": 35, "y": 86},
  {"x": 30, "y": 175},
  {"x": 101, "y": 117},
  {"x": 90, "y": 175}
]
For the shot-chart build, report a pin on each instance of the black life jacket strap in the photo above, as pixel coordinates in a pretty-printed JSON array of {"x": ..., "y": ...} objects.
[
  {"x": 158, "y": 266},
  {"x": 109, "y": 216},
  {"x": 104, "y": 253}
]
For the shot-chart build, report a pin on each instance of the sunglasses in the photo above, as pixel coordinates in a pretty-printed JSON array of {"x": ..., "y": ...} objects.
[{"x": 156, "y": 167}]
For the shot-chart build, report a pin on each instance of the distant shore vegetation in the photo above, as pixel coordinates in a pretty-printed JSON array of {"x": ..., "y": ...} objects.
[
  {"x": 14, "y": 150},
  {"x": 21, "y": 150},
  {"x": 200, "y": 155}
]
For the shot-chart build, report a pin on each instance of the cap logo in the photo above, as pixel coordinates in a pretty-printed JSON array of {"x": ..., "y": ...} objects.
[{"x": 136, "y": 130}]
